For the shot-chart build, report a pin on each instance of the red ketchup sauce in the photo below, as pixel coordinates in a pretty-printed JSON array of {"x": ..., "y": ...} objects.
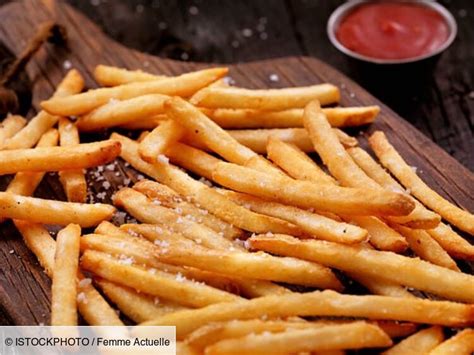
[{"x": 393, "y": 30}]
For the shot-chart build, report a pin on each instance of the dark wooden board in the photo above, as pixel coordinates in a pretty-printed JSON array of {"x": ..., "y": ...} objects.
[{"x": 24, "y": 288}]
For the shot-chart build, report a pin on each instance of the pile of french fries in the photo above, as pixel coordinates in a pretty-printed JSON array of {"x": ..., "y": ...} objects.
[{"x": 244, "y": 242}]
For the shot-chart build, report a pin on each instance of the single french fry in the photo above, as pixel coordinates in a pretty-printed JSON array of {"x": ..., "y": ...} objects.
[
  {"x": 154, "y": 145},
  {"x": 73, "y": 181},
  {"x": 396, "y": 268},
  {"x": 421, "y": 342},
  {"x": 146, "y": 123},
  {"x": 58, "y": 158},
  {"x": 266, "y": 100},
  {"x": 453, "y": 243},
  {"x": 325, "y": 303},
  {"x": 258, "y": 266},
  {"x": 64, "y": 288},
  {"x": 29, "y": 135},
  {"x": 10, "y": 126},
  {"x": 460, "y": 344},
  {"x": 256, "y": 139},
  {"x": 426, "y": 247},
  {"x": 201, "y": 194},
  {"x": 138, "y": 307},
  {"x": 323, "y": 197},
  {"x": 381, "y": 287},
  {"x": 295, "y": 163},
  {"x": 53, "y": 212},
  {"x": 315, "y": 225},
  {"x": 169, "y": 198},
  {"x": 161, "y": 284},
  {"x": 95, "y": 310},
  {"x": 183, "y": 85},
  {"x": 117, "y": 113},
  {"x": 392, "y": 160},
  {"x": 142, "y": 208},
  {"x": 292, "y": 118},
  {"x": 107, "y": 75},
  {"x": 355, "y": 335}
]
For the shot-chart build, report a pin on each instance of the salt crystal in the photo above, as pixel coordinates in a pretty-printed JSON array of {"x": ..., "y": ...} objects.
[
  {"x": 184, "y": 56},
  {"x": 414, "y": 168},
  {"x": 263, "y": 36},
  {"x": 67, "y": 65},
  {"x": 106, "y": 185},
  {"x": 81, "y": 297},
  {"x": 113, "y": 101},
  {"x": 247, "y": 32},
  {"x": 12, "y": 251},
  {"x": 156, "y": 300},
  {"x": 235, "y": 43},
  {"x": 110, "y": 167},
  {"x": 180, "y": 277},
  {"x": 95, "y": 2},
  {"x": 274, "y": 78},
  {"x": 247, "y": 244},
  {"x": 84, "y": 282},
  {"x": 163, "y": 159},
  {"x": 193, "y": 10},
  {"x": 125, "y": 260}
]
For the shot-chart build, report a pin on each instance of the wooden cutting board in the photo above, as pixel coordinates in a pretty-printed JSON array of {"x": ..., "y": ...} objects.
[{"x": 24, "y": 287}]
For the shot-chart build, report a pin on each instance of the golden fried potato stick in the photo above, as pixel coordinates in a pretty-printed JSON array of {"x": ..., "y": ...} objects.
[
  {"x": 453, "y": 243},
  {"x": 325, "y": 303},
  {"x": 426, "y": 247},
  {"x": 421, "y": 342},
  {"x": 139, "y": 307},
  {"x": 266, "y": 100},
  {"x": 146, "y": 211},
  {"x": 201, "y": 128},
  {"x": 73, "y": 181},
  {"x": 411, "y": 272},
  {"x": 81, "y": 156},
  {"x": 171, "y": 199},
  {"x": 10, "y": 126},
  {"x": 324, "y": 197},
  {"x": 39, "y": 210},
  {"x": 154, "y": 145},
  {"x": 94, "y": 309},
  {"x": 106, "y": 75},
  {"x": 171, "y": 287},
  {"x": 292, "y": 118},
  {"x": 202, "y": 194},
  {"x": 460, "y": 344},
  {"x": 64, "y": 286},
  {"x": 356, "y": 335},
  {"x": 118, "y": 113},
  {"x": 256, "y": 139},
  {"x": 391, "y": 160},
  {"x": 145, "y": 123},
  {"x": 184, "y": 85},
  {"x": 27, "y": 137}
]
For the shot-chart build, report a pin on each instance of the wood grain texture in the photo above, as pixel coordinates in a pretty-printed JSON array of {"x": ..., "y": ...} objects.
[{"x": 24, "y": 288}]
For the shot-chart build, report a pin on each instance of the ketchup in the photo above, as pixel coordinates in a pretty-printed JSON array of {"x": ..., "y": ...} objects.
[{"x": 388, "y": 30}]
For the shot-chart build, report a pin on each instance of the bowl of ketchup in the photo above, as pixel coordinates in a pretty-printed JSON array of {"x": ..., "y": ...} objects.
[{"x": 391, "y": 31}]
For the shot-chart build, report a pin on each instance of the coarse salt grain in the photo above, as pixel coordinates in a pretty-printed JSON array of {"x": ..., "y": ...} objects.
[
  {"x": 274, "y": 78},
  {"x": 180, "y": 277},
  {"x": 81, "y": 297},
  {"x": 106, "y": 185},
  {"x": 84, "y": 282},
  {"x": 67, "y": 65},
  {"x": 247, "y": 32}
]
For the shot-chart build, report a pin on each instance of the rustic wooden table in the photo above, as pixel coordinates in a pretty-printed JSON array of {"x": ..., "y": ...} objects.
[{"x": 440, "y": 105}]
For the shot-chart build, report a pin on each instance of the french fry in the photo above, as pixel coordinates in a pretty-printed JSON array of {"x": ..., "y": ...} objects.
[
  {"x": 29, "y": 135},
  {"x": 58, "y": 158},
  {"x": 245, "y": 119},
  {"x": 142, "y": 208},
  {"x": 146, "y": 123},
  {"x": 396, "y": 268},
  {"x": 47, "y": 211},
  {"x": 64, "y": 288},
  {"x": 453, "y": 243},
  {"x": 323, "y": 197},
  {"x": 420, "y": 218},
  {"x": 258, "y": 266},
  {"x": 266, "y": 100},
  {"x": 9, "y": 126},
  {"x": 460, "y": 344},
  {"x": 325, "y": 303},
  {"x": 357, "y": 335},
  {"x": 295, "y": 163},
  {"x": 169, "y": 198},
  {"x": 201, "y": 194},
  {"x": 391, "y": 160},
  {"x": 96, "y": 311},
  {"x": 117, "y": 113},
  {"x": 161, "y": 284},
  {"x": 155, "y": 144},
  {"x": 138, "y": 307},
  {"x": 73, "y": 181},
  {"x": 256, "y": 139},
  {"x": 378, "y": 286},
  {"x": 421, "y": 342},
  {"x": 315, "y": 225},
  {"x": 426, "y": 247},
  {"x": 107, "y": 75},
  {"x": 183, "y": 85}
]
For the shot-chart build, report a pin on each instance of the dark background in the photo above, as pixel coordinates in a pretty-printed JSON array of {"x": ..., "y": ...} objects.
[{"x": 441, "y": 104}]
